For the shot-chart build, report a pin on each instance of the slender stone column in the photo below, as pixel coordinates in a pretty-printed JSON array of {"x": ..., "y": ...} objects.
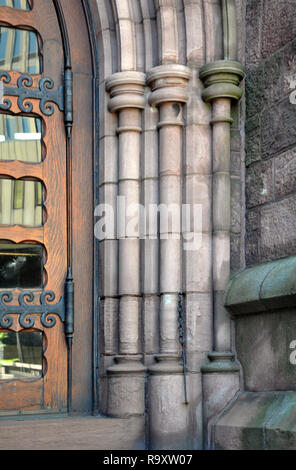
[
  {"x": 126, "y": 377},
  {"x": 221, "y": 79},
  {"x": 167, "y": 411}
]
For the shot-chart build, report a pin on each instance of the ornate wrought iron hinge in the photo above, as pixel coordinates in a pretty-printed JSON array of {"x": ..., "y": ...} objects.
[
  {"x": 181, "y": 331},
  {"x": 25, "y": 92},
  {"x": 26, "y": 309}
]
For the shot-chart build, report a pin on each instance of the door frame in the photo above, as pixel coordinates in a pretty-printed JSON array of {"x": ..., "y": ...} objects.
[{"x": 85, "y": 374}]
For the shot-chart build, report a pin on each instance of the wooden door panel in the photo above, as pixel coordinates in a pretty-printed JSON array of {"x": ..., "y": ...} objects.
[
  {"x": 52, "y": 173},
  {"x": 42, "y": 19},
  {"x": 50, "y": 392},
  {"x": 46, "y": 393}
]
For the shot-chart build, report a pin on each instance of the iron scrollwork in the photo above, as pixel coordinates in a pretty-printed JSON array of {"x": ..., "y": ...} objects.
[
  {"x": 46, "y": 309},
  {"x": 25, "y": 92}
]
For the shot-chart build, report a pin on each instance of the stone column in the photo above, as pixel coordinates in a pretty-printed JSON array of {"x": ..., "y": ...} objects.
[
  {"x": 126, "y": 378},
  {"x": 221, "y": 79},
  {"x": 168, "y": 415}
]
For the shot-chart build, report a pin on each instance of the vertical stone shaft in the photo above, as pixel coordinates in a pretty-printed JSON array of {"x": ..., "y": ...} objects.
[
  {"x": 166, "y": 382},
  {"x": 129, "y": 244},
  {"x": 150, "y": 244},
  {"x": 221, "y": 219},
  {"x": 168, "y": 83},
  {"x": 170, "y": 134},
  {"x": 126, "y": 377},
  {"x": 221, "y": 80}
]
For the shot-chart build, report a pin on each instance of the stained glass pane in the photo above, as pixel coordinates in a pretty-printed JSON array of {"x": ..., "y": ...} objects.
[
  {"x": 20, "y": 355},
  {"x": 21, "y": 266},
  {"x": 20, "y": 202},
  {"x": 19, "y": 51},
  {"x": 20, "y": 138}
]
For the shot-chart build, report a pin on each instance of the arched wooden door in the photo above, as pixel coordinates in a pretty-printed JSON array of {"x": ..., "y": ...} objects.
[{"x": 46, "y": 207}]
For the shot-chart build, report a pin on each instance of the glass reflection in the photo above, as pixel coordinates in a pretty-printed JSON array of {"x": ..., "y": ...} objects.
[
  {"x": 20, "y": 355},
  {"x": 19, "y": 4},
  {"x": 21, "y": 266},
  {"x": 19, "y": 51},
  {"x": 20, "y": 138},
  {"x": 20, "y": 202}
]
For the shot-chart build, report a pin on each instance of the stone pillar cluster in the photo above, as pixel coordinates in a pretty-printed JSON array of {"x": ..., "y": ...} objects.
[
  {"x": 167, "y": 94},
  {"x": 165, "y": 141},
  {"x": 156, "y": 163},
  {"x": 168, "y": 86}
]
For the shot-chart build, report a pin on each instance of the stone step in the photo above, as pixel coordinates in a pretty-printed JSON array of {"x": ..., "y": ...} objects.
[
  {"x": 258, "y": 421},
  {"x": 72, "y": 433}
]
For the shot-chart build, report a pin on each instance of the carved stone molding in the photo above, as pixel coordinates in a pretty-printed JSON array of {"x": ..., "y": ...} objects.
[
  {"x": 126, "y": 90},
  {"x": 168, "y": 84},
  {"x": 221, "y": 79}
]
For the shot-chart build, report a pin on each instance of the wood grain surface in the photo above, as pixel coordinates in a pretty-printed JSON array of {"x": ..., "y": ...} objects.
[{"x": 50, "y": 392}]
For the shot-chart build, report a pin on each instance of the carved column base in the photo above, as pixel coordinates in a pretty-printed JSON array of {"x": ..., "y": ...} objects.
[
  {"x": 220, "y": 362},
  {"x": 168, "y": 413},
  {"x": 220, "y": 383},
  {"x": 126, "y": 387}
]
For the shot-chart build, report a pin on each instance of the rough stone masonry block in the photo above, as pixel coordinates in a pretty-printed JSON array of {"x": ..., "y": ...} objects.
[
  {"x": 253, "y": 17},
  {"x": 271, "y": 81},
  {"x": 279, "y": 25},
  {"x": 236, "y": 250},
  {"x": 273, "y": 78},
  {"x": 236, "y": 205},
  {"x": 255, "y": 91},
  {"x": 278, "y": 126},
  {"x": 253, "y": 140},
  {"x": 289, "y": 68},
  {"x": 252, "y": 237},
  {"x": 259, "y": 183},
  {"x": 280, "y": 74},
  {"x": 285, "y": 174},
  {"x": 278, "y": 230}
]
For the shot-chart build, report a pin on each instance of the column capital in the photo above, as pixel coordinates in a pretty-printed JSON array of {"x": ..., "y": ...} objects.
[
  {"x": 222, "y": 79},
  {"x": 168, "y": 84},
  {"x": 127, "y": 90}
]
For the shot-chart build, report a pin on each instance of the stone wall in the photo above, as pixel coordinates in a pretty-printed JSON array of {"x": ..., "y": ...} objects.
[
  {"x": 237, "y": 232},
  {"x": 270, "y": 130}
]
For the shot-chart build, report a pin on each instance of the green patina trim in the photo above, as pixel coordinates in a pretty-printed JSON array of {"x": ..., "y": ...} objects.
[
  {"x": 263, "y": 288},
  {"x": 221, "y": 79},
  {"x": 260, "y": 421},
  {"x": 224, "y": 69},
  {"x": 219, "y": 367},
  {"x": 229, "y": 29},
  {"x": 220, "y": 362}
]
